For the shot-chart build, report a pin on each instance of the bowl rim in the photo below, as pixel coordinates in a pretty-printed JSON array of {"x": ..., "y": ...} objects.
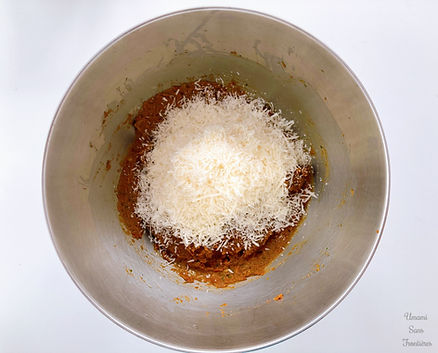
[{"x": 384, "y": 214}]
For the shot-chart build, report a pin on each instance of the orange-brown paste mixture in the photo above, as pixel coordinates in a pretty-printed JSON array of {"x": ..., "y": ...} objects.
[{"x": 231, "y": 263}]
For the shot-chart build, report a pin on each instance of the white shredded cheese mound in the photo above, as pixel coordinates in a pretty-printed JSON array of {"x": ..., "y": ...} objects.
[{"x": 219, "y": 166}]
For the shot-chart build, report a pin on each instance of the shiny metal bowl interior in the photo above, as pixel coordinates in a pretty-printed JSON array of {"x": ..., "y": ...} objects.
[{"x": 129, "y": 282}]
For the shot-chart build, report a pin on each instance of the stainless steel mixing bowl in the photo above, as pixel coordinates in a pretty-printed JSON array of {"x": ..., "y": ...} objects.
[{"x": 128, "y": 281}]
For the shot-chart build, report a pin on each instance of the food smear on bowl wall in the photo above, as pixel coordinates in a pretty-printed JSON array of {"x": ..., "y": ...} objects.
[
  {"x": 216, "y": 178},
  {"x": 278, "y": 297}
]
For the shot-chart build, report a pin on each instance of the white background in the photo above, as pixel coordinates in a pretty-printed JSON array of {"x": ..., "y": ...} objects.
[{"x": 392, "y": 46}]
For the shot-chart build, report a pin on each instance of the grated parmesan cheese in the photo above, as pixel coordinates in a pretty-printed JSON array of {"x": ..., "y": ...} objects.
[{"x": 221, "y": 165}]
